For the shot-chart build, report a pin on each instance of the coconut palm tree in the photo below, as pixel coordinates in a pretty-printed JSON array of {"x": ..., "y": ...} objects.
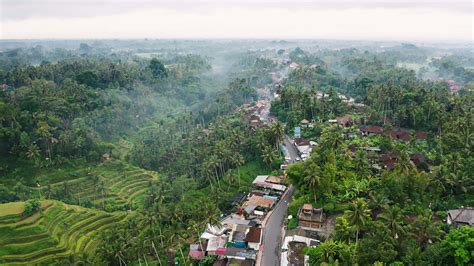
[
  {"x": 393, "y": 218},
  {"x": 425, "y": 230},
  {"x": 312, "y": 178},
  {"x": 238, "y": 160},
  {"x": 404, "y": 165},
  {"x": 358, "y": 215},
  {"x": 278, "y": 134},
  {"x": 269, "y": 155}
]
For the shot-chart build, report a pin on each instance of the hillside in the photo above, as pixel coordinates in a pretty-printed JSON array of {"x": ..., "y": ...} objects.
[
  {"x": 111, "y": 185},
  {"x": 58, "y": 231}
]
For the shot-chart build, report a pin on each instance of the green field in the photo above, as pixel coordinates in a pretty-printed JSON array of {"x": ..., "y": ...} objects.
[{"x": 58, "y": 231}]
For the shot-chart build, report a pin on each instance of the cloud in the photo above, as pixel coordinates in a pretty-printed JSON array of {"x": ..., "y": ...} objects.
[{"x": 342, "y": 19}]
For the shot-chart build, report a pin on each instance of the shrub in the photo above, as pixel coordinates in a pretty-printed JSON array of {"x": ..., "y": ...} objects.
[
  {"x": 292, "y": 223},
  {"x": 31, "y": 206}
]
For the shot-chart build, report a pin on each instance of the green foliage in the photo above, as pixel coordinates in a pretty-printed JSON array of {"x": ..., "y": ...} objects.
[
  {"x": 377, "y": 245},
  {"x": 157, "y": 69},
  {"x": 330, "y": 252},
  {"x": 292, "y": 224},
  {"x": 31, "y": 206},
  {"x": 459, "y": 245},
  {"x": 208, "y": 260}
]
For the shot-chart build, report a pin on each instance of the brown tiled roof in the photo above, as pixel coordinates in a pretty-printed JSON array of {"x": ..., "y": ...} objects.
[
  {"x": 254, "y": 235},
  {"x": 302, "y": 142},
  {"x": 417, "y": 158},
  {"x": 421, "y": 135},
  {"x": 344, "y": 120},
  {"x": 398, "y": 134},
  {"x": 260, "y": 201},
  {"x": 254, "y": 117},
  {"x": 390, "y": 164},
  {"x": 371, "y": 129},
  {"x": 273, "y": 179},
  {"x": 389, "y": 156}
]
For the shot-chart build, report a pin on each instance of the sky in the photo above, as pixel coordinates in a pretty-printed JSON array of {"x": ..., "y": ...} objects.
[{"x": 399, "y": 20}]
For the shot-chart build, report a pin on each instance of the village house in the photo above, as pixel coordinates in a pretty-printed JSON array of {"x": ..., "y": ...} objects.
[
  {"x": 294, "y": 243},
  {"x": 304, "y": 147},
  {"x": 266, "y": 182},
  {"x": 460, "y": 217},
  {"x": 254, "y": 237},
  {"x": 421, "y": 135},
  {"x": 417, "y": 158},
  {"x": 389, "y": 159},
  {"x": 453, "y": 86},
  {"x": 304, "y": 123},
  {"x": 294, "y": 65},
  {"x": 398, "y": 134},
  {"x": 345, "y": 121},
  {"x": 258, "y": 205},
  {"x": 310, "y": 218},
  {"x": 370, "y": 130},
  {"x": 196, "y": 251}
]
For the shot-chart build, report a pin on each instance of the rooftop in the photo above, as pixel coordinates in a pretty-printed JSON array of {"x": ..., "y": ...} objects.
[
  {"x": 464, "y": 215},
  {"x": 261, "y": 201},
  {"x": 254, "y": 235}
]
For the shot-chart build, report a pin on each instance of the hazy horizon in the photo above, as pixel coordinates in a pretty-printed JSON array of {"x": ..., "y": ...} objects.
[{"x": 382, "y": 20}]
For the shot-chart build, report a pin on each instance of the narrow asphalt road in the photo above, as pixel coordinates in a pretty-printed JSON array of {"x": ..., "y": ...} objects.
[
  {"x": 291, "y": 149},
  {"x": 272, "y": 234}
]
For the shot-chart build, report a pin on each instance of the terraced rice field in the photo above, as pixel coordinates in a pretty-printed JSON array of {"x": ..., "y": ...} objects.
[
  {"x": 123, "y": 184},
  {"x": 58, "y": 231}
]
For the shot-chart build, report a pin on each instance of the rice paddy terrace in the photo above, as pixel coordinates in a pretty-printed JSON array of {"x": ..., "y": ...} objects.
[
  {"x": 57, "y": 231},
  {"x": 111, "y": 182}
]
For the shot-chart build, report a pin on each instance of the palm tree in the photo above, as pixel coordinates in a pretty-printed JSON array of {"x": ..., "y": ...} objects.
[
  {"x": 197, "y": 228},
  {"x": 404, "y": 165},
  {"x": 238, "y": 160},
  {"x": 312, "y": 178},
  {"x": 378, "y": 200},
  {"x": 425, "y": 230},
  {"x": 33, "y": 153},
  {"x": 361, "y": 164},
  {"x": 278, "y": 134},
  {"x": 268, "y": 155},
  {"x": 358, "y": 215},
  {"x": 393, "y": 218}
]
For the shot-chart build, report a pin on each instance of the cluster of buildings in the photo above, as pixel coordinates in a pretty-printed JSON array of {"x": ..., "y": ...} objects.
[
  {"x": 254, "y": 114},
  {"x": 311, "y": 230},
  {"x": 304, "y": 147},
  {"x": 237, "y": 239},
  {"x": 397, "y": 133}
]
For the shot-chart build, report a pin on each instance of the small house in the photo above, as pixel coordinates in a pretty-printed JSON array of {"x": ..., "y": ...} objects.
[
  {"x": 345, "y": 121},
  {"x": 421, "y": 135},
  {"x": 460, "y": 217},
  {"x": 304, "y": 123},
  {"x": 371, "y": 130},
  {"x": 254, "y": 237},
  {"x": 310, "y": 217}
]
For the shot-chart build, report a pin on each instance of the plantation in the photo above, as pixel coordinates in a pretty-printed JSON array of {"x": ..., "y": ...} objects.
[{"x": 57, "y": 231}]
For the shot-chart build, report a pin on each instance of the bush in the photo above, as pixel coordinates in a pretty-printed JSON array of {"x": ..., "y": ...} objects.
[
  {"x": 295, "y": 205},
  {"x": 292, "y": 223},
  {"x": 31, "y": 206}
]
